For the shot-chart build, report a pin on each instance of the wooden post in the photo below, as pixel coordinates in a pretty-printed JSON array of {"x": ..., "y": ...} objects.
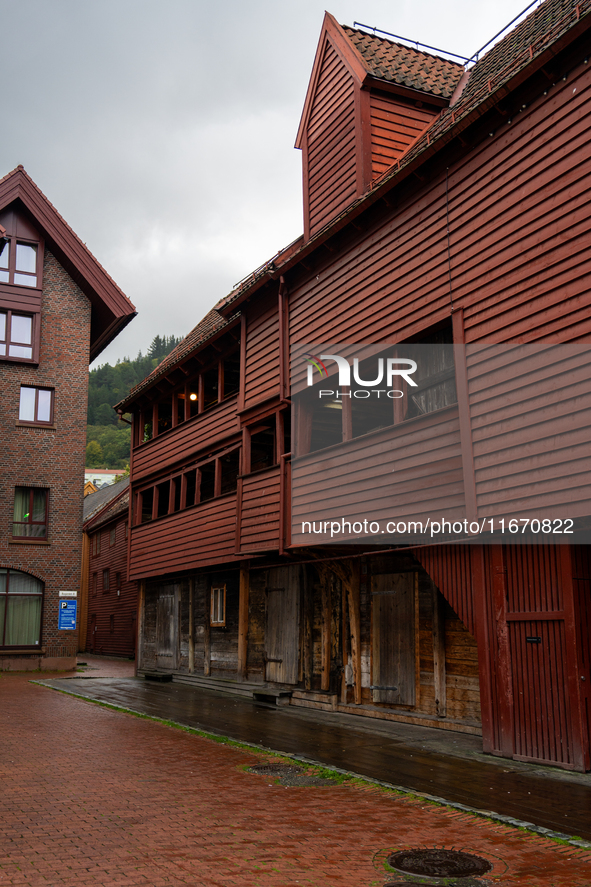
[
  {"x": 243, "y": 622},
  {"x": 355, "y": 625},
  {"x": 326, "y": 611},
  {"x": 482, "y": 634},
  {"x": 504, "y": 672},
  {"x": 439, "y": 653},
  {"x": 207, "y": 633},
  {"x": 83, "y": 599},
  {"x": 308, "y": 619},
  {"x": 191, "y": 625},
  {"x": 344, "y": 642},
  {"x": 141, "y": 616}
]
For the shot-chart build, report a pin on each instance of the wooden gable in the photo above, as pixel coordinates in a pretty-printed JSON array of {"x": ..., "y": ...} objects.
[{"x": 358, "y": 120}]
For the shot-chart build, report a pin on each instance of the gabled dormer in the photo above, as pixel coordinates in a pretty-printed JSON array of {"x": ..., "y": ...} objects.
[
  {"x": 368, "y": 101},
  {"x": 30, "y": 230}
]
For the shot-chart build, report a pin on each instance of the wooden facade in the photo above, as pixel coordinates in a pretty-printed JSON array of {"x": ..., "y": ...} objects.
[
  {"x": 440, "y": 205},
  {"x": 108, "y": 618}
]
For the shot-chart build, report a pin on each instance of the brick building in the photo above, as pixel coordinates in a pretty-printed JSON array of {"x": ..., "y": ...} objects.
[{"x": 58, "y": 310}]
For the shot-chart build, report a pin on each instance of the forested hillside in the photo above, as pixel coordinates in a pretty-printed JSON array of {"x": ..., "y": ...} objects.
[{"x": 107, "y": 438}]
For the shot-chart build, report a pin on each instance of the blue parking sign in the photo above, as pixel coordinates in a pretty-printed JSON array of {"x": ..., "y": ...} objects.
[{"x": 67, "y": 615}]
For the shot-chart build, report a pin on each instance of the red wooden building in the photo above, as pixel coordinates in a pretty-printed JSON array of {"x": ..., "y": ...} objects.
[
  {"x": 58, "y": 310},
  {"x": 108, "y": 606},
  {"x": 444, "y": 204}
]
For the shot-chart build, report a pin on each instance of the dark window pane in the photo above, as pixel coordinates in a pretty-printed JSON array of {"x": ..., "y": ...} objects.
[
  {"x": 147, "y": 502},
  {"x": 230, "y": 470},
  {"x": 231, "y": 375},
  {"x": 210, "y": 387},
  {"x": 207, "y": 487},
  {"x": 191, "y": 481},
  {"x": 262, "y": 448},
  {"x": 163, "y": 498},
  {"x": 164, "y": 416}
]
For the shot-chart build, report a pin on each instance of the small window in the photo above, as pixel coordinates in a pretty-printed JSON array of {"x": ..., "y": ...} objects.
[
  {"x": 36, "y": 406},
  {"x": 112, "y": 536},
  {"x": 262, "y": 447},
  {"x": 18, "y": 263},
  {"x": 163, "y": 498},
  {"x": 118, "y": 583},
  {"x": 106, "y": 587},
  {"x": 230, "y": 469},
  {"x": 30, "y": 513},
  {"x": 96, "y": 544},
  {"x": 191, "y": 487},
  {"x": 16, "y": 335},
  {"x": 207, "y": 486},
  {"x": 218, "y": 605},
  {"x": 147, "y": 503},
  {"x": 21, "y": 597}
]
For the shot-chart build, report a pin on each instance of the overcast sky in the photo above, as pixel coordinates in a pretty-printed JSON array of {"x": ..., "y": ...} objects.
[{"x": 164, "y": 132}]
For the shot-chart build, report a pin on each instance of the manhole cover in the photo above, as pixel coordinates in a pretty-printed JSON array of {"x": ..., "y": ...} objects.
[
  {"x": 439, "y": 863},
  {"x": 276, "y": 769}
]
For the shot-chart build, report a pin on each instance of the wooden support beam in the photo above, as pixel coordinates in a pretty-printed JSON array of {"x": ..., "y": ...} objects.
[
  {"x": 308, "y": 621},
  {"x": 191, "y": 625},
  {"x": 504, "y": 672},
  {"x": 207, "y": 633},
  {"x": 141, "y": 610},
  {"x": 243, "y": 622},
  {"x": 439, "y": 653},
  {"x": 326, "y": 611}
]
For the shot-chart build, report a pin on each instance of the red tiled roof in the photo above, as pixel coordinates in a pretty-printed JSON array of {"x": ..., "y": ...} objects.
[{"x": 405, "y": 65}]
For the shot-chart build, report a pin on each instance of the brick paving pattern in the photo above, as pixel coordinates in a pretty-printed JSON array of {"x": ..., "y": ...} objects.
[{"x": 93, "y": 796}]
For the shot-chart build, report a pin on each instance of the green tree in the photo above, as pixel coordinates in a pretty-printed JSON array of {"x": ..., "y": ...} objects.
[{"x": 94, "y": 454}]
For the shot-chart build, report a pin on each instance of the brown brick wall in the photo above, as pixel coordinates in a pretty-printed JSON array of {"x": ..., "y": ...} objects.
[{"x": 52, "y": 458}]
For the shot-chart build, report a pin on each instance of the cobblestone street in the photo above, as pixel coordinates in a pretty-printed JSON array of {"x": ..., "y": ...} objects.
[{"x": 93, "y": 796}]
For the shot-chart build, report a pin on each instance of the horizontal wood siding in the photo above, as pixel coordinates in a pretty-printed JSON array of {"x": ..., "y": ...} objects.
[
  {"x": 178, "y": 444},
  {"x": 204, "y": 534},
  {"x": 519, "y": 212},
  {"x": 395, "y": 125},
  {"x": 111, "y": 627},
  {"x": 330, "y": 140},
  {"x": 259, "y": 520},
  {"x": 531, "y": 423},
  {"x": 262, "y": 351},
  {"x": 410, "y": 471}
]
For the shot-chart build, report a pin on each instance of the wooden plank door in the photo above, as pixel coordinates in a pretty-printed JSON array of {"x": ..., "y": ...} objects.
[
  {"x": 394, "y": 646},
  {"x": 167, "y": 628},
  {"x": 282, "y": 627}
]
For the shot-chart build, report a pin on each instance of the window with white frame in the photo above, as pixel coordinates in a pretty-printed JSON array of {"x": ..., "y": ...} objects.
[{"x": 218, "y": 605}]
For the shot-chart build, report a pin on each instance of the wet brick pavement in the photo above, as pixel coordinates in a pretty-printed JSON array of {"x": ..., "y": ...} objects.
[{"x": 93, "y": 796}]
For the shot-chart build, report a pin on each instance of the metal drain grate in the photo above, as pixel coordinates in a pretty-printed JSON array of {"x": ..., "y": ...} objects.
[
  {"x": 276, "y": 769},
  {"x": 439, "y": 863},
  {"x": 290, "y": 774}
]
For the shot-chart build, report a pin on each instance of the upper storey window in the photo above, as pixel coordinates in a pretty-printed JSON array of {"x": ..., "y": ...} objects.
[
  {"x": 18, "y": 262},
  {"x": 21, "y": 269}
]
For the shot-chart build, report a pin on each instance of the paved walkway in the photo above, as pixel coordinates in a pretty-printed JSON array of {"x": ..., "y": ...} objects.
[
  {"x": 440, "y": 763},
  {"x": 93, "y": 796}
]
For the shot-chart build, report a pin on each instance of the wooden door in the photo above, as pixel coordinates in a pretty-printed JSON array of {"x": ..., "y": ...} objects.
[
  {"x": 394, "y": 646},
  {"x": 282, "y": 627},
  {"x": 167, "y": 628}
]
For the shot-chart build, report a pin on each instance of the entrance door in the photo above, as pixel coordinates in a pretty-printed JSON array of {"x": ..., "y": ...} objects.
[
  {"x": 167, "y": 628},
  {"x": 282, "y": 628},
  {"x": 394, "y": 645}
]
